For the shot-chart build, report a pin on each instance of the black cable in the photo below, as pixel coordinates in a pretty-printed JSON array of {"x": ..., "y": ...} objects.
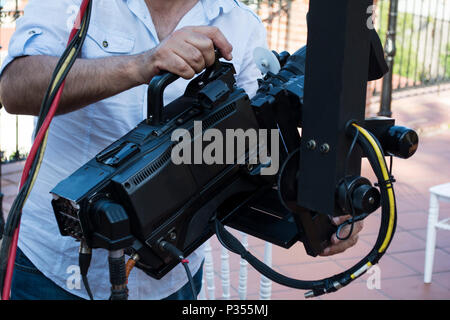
[
  {"x": 15, "y": 212},
  {"x": 77, "y": 42},
  {"x": 391, "y": 159},
  {"x": 177, "y": 254},
  {"x": 118, "y": 275},
  {"x": 347, "y": 196},
  {"x": 84, "y": 261},
  {"x": 191, "y": 280},
  {"x": 333, "y": 283},
  {"x": 350, "y": 221},
  {"x": 87, "y": 287}
]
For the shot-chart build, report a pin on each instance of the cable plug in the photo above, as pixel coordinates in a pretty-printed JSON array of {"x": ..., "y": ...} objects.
[
  {"x": 174, "y": 251},
  {"x": 117, "y": 275},
  {"x": 84, "y": 261},
  {"x": 177, "y": 254},
  {"x": 131, "y": 263}
]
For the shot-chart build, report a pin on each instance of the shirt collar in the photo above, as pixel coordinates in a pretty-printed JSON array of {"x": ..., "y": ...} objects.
[
  {"x": 211, "y": 8},
  {"x": 214, "y": 8}
]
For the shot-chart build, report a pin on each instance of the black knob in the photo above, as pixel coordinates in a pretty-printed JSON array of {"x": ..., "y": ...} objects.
[
  {"x": 357, "y": 192},
  {"x": 366, "y": 198},
  {"x": 400, "y": 141}
]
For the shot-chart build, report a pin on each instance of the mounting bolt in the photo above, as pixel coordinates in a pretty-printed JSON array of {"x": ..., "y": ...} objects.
[
  {"x": 173, "y": 236},
  {"x": 311, "y": 145},
  {"x": 325, "y": 148}
]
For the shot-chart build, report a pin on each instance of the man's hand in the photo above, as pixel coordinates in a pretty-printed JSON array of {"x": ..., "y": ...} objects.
[
  {"x": 185, "y": 52},
  {"x": 338, "y": 246}
]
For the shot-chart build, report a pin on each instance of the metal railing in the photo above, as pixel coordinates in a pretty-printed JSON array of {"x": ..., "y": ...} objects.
[
  {"x": 9, "y": 12},
  {"x": 415, "y": 33},
  {"x": 222, "y": 274},
  {"x": 275, "y": 14},
  {"x": 416, "y": 36}
]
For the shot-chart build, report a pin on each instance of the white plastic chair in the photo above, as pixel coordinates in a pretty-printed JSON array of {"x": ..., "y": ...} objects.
[{"x": 437, "y": 193}]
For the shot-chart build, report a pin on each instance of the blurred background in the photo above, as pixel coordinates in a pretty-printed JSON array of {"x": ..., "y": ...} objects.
[{"x": 416, "y": 93}]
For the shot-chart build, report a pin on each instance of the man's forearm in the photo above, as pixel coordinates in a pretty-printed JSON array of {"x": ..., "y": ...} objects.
[
  {"x": 185, "y": 52},
  {"x": 89, "y": 81}
]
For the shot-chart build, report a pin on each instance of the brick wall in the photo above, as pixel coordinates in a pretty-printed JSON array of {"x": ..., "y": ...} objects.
[{"x": 286, "y": 27}]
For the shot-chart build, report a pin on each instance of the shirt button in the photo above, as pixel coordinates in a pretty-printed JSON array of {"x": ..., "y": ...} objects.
[{"x": 105, "y": 44}]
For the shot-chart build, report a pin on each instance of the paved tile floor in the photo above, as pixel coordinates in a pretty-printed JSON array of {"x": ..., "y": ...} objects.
[{"x": 401, "y": 269}]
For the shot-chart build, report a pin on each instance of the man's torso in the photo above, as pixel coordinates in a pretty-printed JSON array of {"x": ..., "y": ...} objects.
[{"x": 117, "y": 27}]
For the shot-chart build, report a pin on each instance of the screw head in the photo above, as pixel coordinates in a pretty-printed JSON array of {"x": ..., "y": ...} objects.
[
  {"x": 311, "y": 145},
  {"x": 325, "y": 148},
  {"x": 173, "y": 236}
]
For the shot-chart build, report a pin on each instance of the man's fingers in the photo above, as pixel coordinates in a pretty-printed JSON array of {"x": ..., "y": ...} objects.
[
  {"x": 177, "y": 65},
  {"x": 205, "y": 46},
  {"x": 186, "y": 52},
  {"x": 357, "y": 228},
  {"x": 192, "y": 56},
  {"x": 341, "y": 219},
  {"x": 218, "y": 39},
  {"x": 341, "y": 246},
  {"x": 359, "y": 225}
]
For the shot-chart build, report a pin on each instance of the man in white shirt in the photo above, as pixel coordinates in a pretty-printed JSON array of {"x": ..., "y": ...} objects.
[{"x": 128, "y": 42}]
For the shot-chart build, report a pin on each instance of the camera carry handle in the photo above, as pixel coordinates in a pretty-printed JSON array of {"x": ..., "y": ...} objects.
[
  {"x": 155, "y": 96},
  {"x": 155, "y": 93}
]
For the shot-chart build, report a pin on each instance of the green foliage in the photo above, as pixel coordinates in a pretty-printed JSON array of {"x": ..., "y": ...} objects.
[
  {"x": 414, "y": 36},
  {"x": 444, "y": 62}
]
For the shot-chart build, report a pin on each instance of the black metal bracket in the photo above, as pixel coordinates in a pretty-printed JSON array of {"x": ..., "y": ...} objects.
[{"x": 335, "y": 92}]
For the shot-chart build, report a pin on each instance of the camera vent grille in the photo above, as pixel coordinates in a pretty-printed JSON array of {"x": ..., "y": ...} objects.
[
  {"x": 152, "y": 167},
  {"x": 218, "y": 116}
]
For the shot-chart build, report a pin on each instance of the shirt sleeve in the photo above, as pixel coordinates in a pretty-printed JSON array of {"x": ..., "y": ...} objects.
[
  {"x": 42, "y": 30},
  {"x": 249, "y": 74}
]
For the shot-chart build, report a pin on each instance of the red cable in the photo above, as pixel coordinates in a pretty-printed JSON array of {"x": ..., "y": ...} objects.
[{"x": 37, "y": 143}]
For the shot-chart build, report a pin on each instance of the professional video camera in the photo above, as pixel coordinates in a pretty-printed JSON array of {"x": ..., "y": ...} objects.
[{"x": 134, "y": 198}]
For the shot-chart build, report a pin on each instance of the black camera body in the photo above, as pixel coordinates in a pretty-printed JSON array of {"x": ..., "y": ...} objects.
[{"x": 133, "y": 195}]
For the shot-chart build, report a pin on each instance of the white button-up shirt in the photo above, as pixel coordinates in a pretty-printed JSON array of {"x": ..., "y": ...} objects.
[{"x": 118, "y": 27}]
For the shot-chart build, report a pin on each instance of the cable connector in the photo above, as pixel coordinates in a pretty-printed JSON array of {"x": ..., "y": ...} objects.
[
  {"x": 177, "y": 254},
  {"x": 117, "y": 275},
  {"x": 131, "y": 263},
  {"x": 174, "y": 251},
  {"x": 84, "y": 261},
  {"x": 330, "y": 286}
]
